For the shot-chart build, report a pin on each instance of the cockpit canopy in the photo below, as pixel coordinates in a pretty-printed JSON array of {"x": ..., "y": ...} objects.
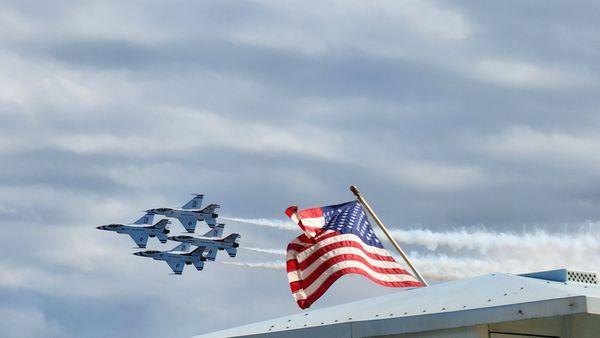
[
  {"x": 151, "y": 251},
  {"x": 114, "y": 225},
  {"x": 163, "y": 209}
]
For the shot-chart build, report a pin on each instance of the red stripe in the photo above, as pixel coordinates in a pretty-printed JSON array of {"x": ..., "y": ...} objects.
[
  {"x": 291, "y": 210},
  {"x": 306, "y": 213},
  {"x": 295, "y": 247},
  {"x": 310, "y": 213},
  {"x": 313, "y": 236},
  {"x": 320, "y": 239},
  {"x": 325, "y": 249},
  {"x": 291, "y": 265},
  {"x": 353, "y": 270},
  {"x": 308, "y": 280},
  {"x": 296, "y": 286}
]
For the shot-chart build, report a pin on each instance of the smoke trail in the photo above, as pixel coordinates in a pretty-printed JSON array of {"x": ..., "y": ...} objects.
[
  {"x": 461, "y": 253},
  {"x": 270, "y": 251},
  {"x": 278, "y": 265},
  {"x": 580, "y": 239},
  {"x": 265, "y": 222}
]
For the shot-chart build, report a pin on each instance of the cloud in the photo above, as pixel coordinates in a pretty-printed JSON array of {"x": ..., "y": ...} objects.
[
  {"x": 525, "y": 143},
  {"x": 26, "y": 323},
  {"x": 447, "y": 116},
  {"x": 439, "y": 176},
  {"x": 528, "y": 75},
  {"x": 390, "y": 23}
]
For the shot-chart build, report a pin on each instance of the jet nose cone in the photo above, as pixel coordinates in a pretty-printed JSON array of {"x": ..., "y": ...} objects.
[
  {"x": 102, "y": 227},
  {"x": 172, "y": 238},
  {"x": 138, "y": 253}
]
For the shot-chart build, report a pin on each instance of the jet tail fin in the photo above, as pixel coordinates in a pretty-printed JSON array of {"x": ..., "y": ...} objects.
[
  {"x": 209, "y": 214},
  {"x": 146, "y": 219},
  {"x": 194, "y": 203},
  {"x": 231, "y": 238},
  {"x": 210, "y": 209},
  {"x": 162, "y": 224},
  {"x": 163, "y": 231},
  {"x": 216, "y": 231},
  {"x": 198, "y": 251}
]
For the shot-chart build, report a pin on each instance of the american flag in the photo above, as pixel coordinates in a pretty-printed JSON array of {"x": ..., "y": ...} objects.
[{"x": 337, "y": 240}]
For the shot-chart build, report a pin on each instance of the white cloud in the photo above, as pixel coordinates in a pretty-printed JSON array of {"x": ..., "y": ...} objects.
[
  {"x": 427, "y": 175},
  {"x": 383, "y": 28},
  {"x": 13, "y": 25},
  {"x": 42, "y": 86},
  {"x": 127, "y": 22},
  {"x": 27, "y": 323},
  {"x": 555, "y": 148},
  {"x": 198, "y": 129},
  {"x": 523, "y": 74}
]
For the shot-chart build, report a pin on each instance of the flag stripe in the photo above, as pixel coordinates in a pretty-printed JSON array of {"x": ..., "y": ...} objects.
[
  {"x": 390, "y": 274},
  {"x": 349, "y": 253},
  {"x": 337, "y": 240},
  {"x": 305, "y": 301}
]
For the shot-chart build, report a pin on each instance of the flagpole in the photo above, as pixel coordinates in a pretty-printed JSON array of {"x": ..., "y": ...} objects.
[{"x": 362, "y": 200}]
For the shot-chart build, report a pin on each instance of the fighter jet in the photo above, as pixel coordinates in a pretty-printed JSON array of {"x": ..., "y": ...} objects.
[
  {"x": 178, "y": 257},
  {"x": 213, "y": 245},
  {"x": 190, "y": 213},
  {"x": 140, "y": 234}
]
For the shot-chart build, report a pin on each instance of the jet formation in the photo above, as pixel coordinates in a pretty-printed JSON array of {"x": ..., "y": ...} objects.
[{"x": 191, "y": 250}]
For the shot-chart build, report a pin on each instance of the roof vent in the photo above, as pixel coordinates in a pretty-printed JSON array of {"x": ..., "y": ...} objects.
[
  {"x": 564, "y": 275},
  {"x": 582, "y": 277}
]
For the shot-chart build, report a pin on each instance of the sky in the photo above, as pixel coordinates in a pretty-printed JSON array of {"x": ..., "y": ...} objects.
[{"x": 472, "y": 128}]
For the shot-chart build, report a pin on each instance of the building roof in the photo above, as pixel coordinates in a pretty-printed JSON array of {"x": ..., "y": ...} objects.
[{"x": 497, "y": 297}]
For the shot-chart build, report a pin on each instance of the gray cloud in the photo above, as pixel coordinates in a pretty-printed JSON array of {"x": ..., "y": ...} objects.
[{"x": 448, "y": 115}]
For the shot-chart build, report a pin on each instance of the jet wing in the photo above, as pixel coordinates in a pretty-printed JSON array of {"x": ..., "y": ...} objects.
[
  {"x": 188, "y": 222},
  {"x": 212, "y": 253},
  {"x": 176, "y": 264},
  {"x": 140, "y": 238}
]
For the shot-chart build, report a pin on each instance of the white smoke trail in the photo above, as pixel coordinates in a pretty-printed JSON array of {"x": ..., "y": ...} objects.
[
  {"x": 574, "y": 242},
  {"x": 265, "y": 222},
  {"x": 581, "y": 239},
  {"x": 270, "y": 251},
  {"x": 279, "y": 265},
  {"x": 462, "y": 253}
]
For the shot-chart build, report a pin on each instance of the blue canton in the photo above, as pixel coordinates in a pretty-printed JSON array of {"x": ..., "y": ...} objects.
[{"x": 350, "y": 218}]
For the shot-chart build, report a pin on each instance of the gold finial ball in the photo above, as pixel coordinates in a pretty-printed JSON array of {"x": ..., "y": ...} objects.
[{"x": 354, "y": 190}]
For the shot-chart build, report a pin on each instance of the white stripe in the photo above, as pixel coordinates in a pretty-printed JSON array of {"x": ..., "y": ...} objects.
[
  {"x": 294, "y": 276},
  {"x": 349, "y": 250},
  {"x": 354, "y": 264},
  {"x": 299, "y": 242},
  {"x": 315, "y": 222},
  {"x": 299, "y": 295},
  {"x": 346, "y": 237}
]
